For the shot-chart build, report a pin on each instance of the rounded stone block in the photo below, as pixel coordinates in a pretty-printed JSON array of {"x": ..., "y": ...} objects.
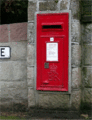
[
  {"x": 13, "y": 70},
  {"x": 88, "y": 95},
  {"x": 20, "y": 68},
  {"x": 5, "y": 102},
  {"x": 76, "y": 55},
  {"x": 30, "y": 72},
  {"x": 87, "y": 54},
  {"x": 76, "y": 99},
  {"x": 18, "y": 50},
  {"x": 13, "y": 84},
  {"x": 76, "y": 77},
  {"x": 31, "y": 10},
  {"x": 75, "y": 31},
  {"x": 14, "y": 93},
  {"x": 5, "y": 71},
  {"x": 48, "y": 5},
  {"x": 31, "y": 32},
  {"x": 64, "y": 4},
  {"x": 75, "y": 9},
  {"x": 30, "y": 82},
  {"x": 54, "y": 101},
  {"x": 87, "y": 33},
  {"x": 12, "y": 104},
  {"x": 31, "y": 54},
  {"x": 31, "y": 97},
  {"x": 18, "y": 93},
  {"x": 87, "y": 76}
]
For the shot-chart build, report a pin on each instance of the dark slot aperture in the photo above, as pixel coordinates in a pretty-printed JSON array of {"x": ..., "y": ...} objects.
[{"x": 52, "y": 27}]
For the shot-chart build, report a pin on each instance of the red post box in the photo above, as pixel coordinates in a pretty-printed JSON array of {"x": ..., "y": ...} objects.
[{"x": 52, "y": 51}]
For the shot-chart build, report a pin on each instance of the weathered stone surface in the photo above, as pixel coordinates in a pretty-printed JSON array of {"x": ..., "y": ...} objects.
[
  {"x": 13, "y": 84},
  {"x": 5, "y": 44},
  {"x": 88, "y": 95},
  {"x": 18, "y": 31},
  {"x": 48, "y": 5},
  {"x": 31, "y": 97},
  {"x": 13, "y": 70},
  {"x": 31, "y": 10},
  {"x": 64, "y": 5},
  {"x": 5, "y": 71},
  {"x": 87, "y": 33},
  {"x": 76, "y": 55},
  {"x": 30, "y": 82},
  {"x": 76, "y": 77},
  {"x": 75, "y": 9},
  {"x": 8, "y": 102},
  {"x": 87, "y": 76},
  {"x": 31, "y": 32},
  {"x": 18, "y": 50},
  {"x": 76, "y": 99},
  {"x": 19, "y": 92},
  {"x": 44, "y": 100},
  {"x": 31, "y": 54},
  {"x": 75, "y": 31},
  {"x": 54, "y": 101},
  {"x": 30, "y": 72},
  {"x": 13, "y": 105},
  {"x": 3, "y": 33},
  {"x": 87, "y": 54},
  {"x": 5, "y": 102}
]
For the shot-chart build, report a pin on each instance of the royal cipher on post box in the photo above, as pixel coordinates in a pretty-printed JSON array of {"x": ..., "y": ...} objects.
[{"x": 52, "y": 51}]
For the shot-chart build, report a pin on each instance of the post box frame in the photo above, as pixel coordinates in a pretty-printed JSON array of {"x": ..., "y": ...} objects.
[{"x": 69, "y": 52}]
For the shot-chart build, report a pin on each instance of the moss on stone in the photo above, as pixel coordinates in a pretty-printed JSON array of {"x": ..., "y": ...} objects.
[
  {"x": 84, "y": 106},
  {"x": 15, "y": 107},
  {"x": 56, "y": 1},
  {"x": 85, "y": 71}
]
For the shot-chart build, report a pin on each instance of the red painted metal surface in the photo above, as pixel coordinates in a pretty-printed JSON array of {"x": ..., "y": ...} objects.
[{"x": 52, "y": 71}]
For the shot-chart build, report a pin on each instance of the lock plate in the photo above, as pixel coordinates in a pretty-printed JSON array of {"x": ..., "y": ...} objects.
[{"x": 46, "y": 65}]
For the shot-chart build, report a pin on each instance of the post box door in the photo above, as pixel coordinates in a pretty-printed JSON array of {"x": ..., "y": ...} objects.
[
  {"x": 52, "y": 57},
  {"x": 52, "y": 63}
]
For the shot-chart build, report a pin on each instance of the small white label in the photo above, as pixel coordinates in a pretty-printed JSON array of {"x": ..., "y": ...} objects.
[
  {"x": 4, "y": 52},
  {"x": 52, "y": 51},
  {"x": 51, "y": 39}
]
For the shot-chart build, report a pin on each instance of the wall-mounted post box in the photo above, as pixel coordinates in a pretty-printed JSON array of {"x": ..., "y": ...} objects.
[{"x": 52, "y": 51}]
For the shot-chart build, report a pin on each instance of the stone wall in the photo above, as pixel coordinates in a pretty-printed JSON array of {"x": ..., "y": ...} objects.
[
  {"x": 87, "y": 64},
  {"x": 18, "y": 74},
  {"x": 13, "y": 71},
  {"x": 55, "y": 99}
]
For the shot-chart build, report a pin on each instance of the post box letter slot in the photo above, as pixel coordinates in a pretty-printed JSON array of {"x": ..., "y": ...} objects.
[{"x": 52, "y": 27}]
